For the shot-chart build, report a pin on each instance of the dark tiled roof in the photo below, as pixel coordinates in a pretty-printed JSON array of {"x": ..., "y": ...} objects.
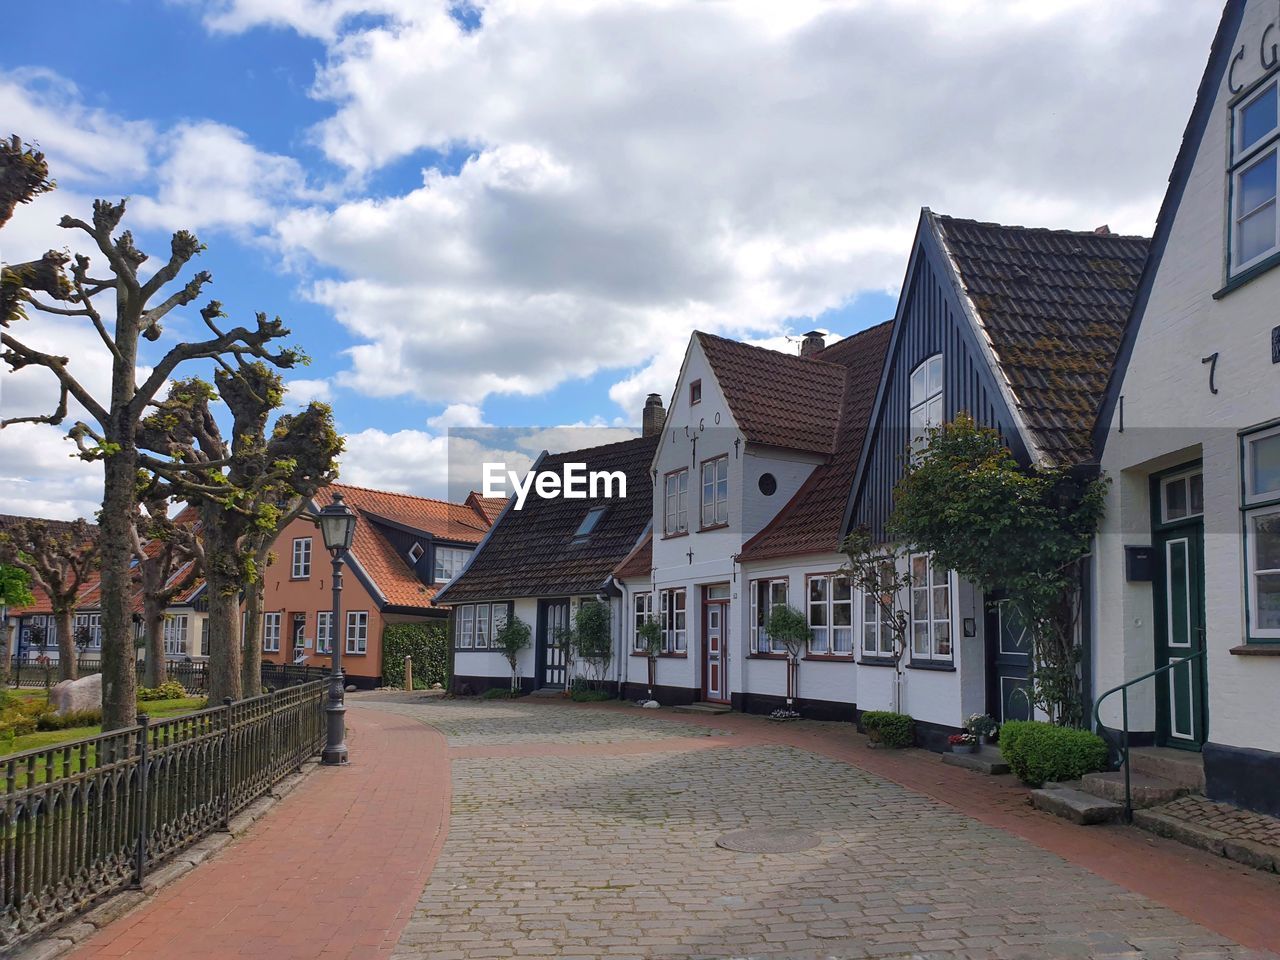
[
  {"x": 778, "y": 399},
  {"x": 811, "y": 521},
  {"x": 1053, "y": 304},
  {"x": 531, "y": 553}
]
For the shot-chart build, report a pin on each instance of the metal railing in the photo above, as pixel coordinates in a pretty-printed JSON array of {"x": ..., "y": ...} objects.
[
  {"x": 84, "y": 819},
  {"x": 25, "y": 672},
  {"x": 1192, "y": 661}
]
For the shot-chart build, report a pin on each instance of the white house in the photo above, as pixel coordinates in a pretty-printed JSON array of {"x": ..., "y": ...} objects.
[{"x": 1188, "y": 561}]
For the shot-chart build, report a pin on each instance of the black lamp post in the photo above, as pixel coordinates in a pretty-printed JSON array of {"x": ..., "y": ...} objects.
[{"x": 337, "y": 524}]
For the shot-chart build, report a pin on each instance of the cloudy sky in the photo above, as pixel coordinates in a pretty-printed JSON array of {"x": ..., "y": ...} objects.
[{"x": 513, "y": 212}]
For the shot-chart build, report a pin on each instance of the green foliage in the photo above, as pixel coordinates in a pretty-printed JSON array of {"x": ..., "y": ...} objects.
[
  {"x": 966, "y": 500},
  {"x": 889, "y": 728},
  {"x": 590, "y": 639},
  {"x": 67, "y": 721},
  {"x": 498, "y": 693},
  {"x": 789, "y": 627},
  {"x": 1042, "y": 752},
  {"x": 514, "y": 637},
  {"x": 590, "y": 696},
  {"x": 876, "y": 573},
  {"x": 426, "y": 643},
  {"x": 21, "y": 715},
  {"x": 15, "y": 587},
  {"x": 169, "y": 690},
  {"x": 650, "y": 632}
]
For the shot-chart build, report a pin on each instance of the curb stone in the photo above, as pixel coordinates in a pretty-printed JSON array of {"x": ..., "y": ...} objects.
[
  {"x": 1247, "y": 852},
  {"x": 63, "y": 939}
]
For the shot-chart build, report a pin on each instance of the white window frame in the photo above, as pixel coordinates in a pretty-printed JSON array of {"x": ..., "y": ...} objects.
[
  {"x": 457, "y": 559},
  {"x": 1260, "y": 505},
  {"x": 271, "y": 632},
  {"x": 93, "y": 623},
  {"x": 641, "y": 610},
  {"x": 204, "y": 637},
  {"x": 761, "y": 642},
  {"x": 925, "y": 400},
  {"x": 482, "y": 626},
  {"x": 1252, "y": 496},
  {"x": 933, "y": 580},
  {"x": 415, "y": 553},
  {"x": 1242, "y": 161},
  {"x": 674, "y": 617},
  {"x": 873, "y": 625},
  {"x": 675, "y": 506},
  {"x": 1184, "y": 477},
  {"x": 824, "y": 635},
  {"x": 357, "y": 632},
  {"x": 300, "y": 569},
  {"x": 715, "y": 492},
  {"x": 497, "y": 620},
  {"x": 466, "y": 626},
  {"x": 175, "y": 634},
  {"x": 324, "y": 632}
]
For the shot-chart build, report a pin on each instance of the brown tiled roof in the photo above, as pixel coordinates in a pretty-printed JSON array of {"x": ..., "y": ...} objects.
[
  {"x": 380, "y": 560},
  {"x": 532, "y": 553},
  {"x": 638, "y": 564},
  {"x": 489, "y": 507},
  {"x": 778, "y": 399},
  {"x": 812, "y": 519},
  {"x": 1053, "y": 304}
]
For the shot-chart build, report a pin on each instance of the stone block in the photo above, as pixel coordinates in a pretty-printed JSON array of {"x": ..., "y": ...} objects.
[{"x": 74, "y": 696}]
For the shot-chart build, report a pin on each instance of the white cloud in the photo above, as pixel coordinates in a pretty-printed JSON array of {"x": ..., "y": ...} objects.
[
  {"x": 299, "y": 393},
  {"x": 40, "y": 476},
  {"x": 457, "y": 415}
]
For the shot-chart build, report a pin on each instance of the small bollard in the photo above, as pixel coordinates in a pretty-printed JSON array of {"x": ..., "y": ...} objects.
[{"x": 408, "y": 674}]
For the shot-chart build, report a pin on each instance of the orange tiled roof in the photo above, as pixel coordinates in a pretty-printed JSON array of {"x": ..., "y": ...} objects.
[{"x": 638, "y": 564}]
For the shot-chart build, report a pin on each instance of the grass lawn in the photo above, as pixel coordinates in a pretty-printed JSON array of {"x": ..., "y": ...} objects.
[{"x": 156, "y": 709}]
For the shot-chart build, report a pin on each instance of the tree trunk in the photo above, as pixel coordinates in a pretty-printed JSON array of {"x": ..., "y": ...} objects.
[
  {"x": 68, "y": 655},
  {"x": 157, "y": 671},
  {"x": 119, "y": 661},
  {"x": 251, "y": 666},
  {"x": 5, "y": 653}
]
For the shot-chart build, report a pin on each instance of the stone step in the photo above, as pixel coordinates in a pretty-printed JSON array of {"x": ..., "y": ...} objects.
[
  {"x": 1183, "y": 767},
  {"x": 1075, "y": 805},
  {"x": 1145, "y": 791},
  {"x": 987, "y": 759},
  {"x": 547, "y": 692},
  {"x": 702, "y": 707}
]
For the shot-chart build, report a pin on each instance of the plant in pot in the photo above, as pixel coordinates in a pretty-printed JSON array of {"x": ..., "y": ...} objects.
[
  {"x": 650, "y": 634},
  {"x": 789, "y": 627},
  {"x": 963, "y": 742},
  {"x": 982, "y": 728},
  {"x": 510, "y": 640}
]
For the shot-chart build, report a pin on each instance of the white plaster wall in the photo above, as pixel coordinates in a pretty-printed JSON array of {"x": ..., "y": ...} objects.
[{"x": 1168, "y": 407}]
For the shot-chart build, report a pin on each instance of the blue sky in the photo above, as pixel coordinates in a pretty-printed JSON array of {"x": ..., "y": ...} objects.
[{"x": 514, "y": 213}]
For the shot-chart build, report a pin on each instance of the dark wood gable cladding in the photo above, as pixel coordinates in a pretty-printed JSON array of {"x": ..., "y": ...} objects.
[
  {"x": 533, "y": 552},
  {"x": 930, "y": 320}
]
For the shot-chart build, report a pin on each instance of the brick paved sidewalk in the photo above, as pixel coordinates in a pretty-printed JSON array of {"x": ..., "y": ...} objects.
[
  {"x": 334, "y": 871},
  {"x": 1249, "y": 838}
]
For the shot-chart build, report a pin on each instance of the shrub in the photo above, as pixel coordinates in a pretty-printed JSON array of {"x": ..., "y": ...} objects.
[
  {"x": 590, "y": 696},
  {"x": 427, "y": 643},
  {"x": 77, "y": 718},
  {"x": 499, "y": 693},
  {"x": 891, "y": 729},
  {"x": 169, "y": 690},
  {"x": 1039, "y": 752}
]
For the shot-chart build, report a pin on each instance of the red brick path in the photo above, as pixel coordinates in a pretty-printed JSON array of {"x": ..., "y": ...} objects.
[{"x": 333, "y": 871}]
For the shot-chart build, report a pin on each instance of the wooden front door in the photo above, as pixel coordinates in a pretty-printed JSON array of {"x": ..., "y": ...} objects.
[
  {"x": 553, "y": 628},
  {"x": 1178, "y": 541},
  {"x": 1008, "y": 662},
  {"x": 715, "y": 646}
]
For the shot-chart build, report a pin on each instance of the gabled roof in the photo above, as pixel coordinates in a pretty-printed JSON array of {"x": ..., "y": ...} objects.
[
  {"x": 532, "y": 552},
  {"x": 1052, "y": 305},
  {"x": 778, "y": 399},
  {"x": 386, "y": 566},
  {"x": 638, "y": 564},
  {"x": 812, "y": 520},
  {"x": 1220, "y": 54},
  {"x": 487, "y": 507}
]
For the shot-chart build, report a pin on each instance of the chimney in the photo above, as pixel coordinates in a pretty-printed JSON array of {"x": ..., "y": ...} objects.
[
  {"x": 813, "y": 341},
  {"x": 654, "y": 416},
  {"x": 1102, "y": 231}
]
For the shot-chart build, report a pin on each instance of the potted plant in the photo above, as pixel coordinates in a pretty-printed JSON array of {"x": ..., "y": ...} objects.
[
  {"x": 651, "y": 633},
  {"x": 510, "y": 641},
  {"x": 962, "y": 742},
  {"x": 981, "y": 726},
  {"x": 789, "y": 627}
]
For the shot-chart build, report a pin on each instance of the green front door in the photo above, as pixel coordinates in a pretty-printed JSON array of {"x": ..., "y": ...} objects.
[{"x": 1178, "y": 539}]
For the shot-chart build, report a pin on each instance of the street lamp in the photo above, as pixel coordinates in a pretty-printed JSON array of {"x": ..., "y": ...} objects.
[{"x": 337, "y": 526}]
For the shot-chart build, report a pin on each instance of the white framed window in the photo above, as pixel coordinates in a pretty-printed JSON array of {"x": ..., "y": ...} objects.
[
  {"x": 715, "y": 492},
  {"x": 930, "y": 610},
  {"x": 877, "y": 630},
  {"x": 175, "y": 635},
  {"x": 675, "y": 512},
  {"x": 271, "y": 633},
  {"x": 642, "y": 610},
  {"x": 830, "y": 607},
  {"x": 675, "y": 634},
  {"x": 415, "y": 553},
  {"x": 204, "y": 636},
  {"x": 301, "y": 568},
  {"x": 497, "y": 620},
  {"x": 324, "y": 631},
  {"x": 1260, "y": 456},
  {"x": 926, "y": 400},
  {"x": 1262, "y": 466},
  {"x": 357, "y": 631},
  {"x": 482, "y": 626},
  {"x": 695, "y": 392},
  {"x": 89, "y": 624},
  {"x": 1255, "y": 177},
  {"x": 1182, "y": 496},
  {"x": 467, "y": 626},
  {"x": 765, "y": 595},
  {"x": 448, "y": 563}
]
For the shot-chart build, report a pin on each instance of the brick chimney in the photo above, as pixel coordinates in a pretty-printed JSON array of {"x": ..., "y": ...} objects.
[
  {"x": 1102, "y": 231},
  {"x": 654, "y": 416},
  {"x": 813, "y": 341}
]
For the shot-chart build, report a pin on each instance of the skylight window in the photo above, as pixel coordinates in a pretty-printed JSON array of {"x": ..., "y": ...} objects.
[{"x": 589, "y": 523}]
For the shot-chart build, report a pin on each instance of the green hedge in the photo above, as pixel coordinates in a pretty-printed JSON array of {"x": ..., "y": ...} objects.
[
  {"x": 427, "y": 643},
  {"x": 1042, "y": 752},
  {"x": 891, "y": 729}
]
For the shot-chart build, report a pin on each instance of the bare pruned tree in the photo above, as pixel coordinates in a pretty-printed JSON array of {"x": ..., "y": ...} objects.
[{"x": 169, "y": 552}]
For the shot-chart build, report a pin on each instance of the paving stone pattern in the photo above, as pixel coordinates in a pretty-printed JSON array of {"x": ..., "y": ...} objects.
[
  {"x": 615, "y": 856},
  {"x": 1226, "y": 819}
]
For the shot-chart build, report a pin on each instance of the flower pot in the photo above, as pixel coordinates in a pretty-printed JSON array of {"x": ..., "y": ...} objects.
[{"x": 964, "y": 748}]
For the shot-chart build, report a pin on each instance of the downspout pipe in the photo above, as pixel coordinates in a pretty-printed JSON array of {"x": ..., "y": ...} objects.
[{"x": 610, "y": 590}]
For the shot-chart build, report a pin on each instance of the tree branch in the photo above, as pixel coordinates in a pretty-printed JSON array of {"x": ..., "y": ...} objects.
[{"x": 19, "y": 355}]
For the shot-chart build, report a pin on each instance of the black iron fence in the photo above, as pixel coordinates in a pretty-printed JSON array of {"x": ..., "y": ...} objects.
[
  {"x": 88, "y": 818},
  {"x": 192, "y": 674}
]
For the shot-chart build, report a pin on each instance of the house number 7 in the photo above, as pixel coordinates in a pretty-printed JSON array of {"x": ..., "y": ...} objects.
[{"x": 1212, "y": 361}]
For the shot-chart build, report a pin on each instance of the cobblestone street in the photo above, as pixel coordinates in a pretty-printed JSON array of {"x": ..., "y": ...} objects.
[{"x": 583, "y": 853}]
